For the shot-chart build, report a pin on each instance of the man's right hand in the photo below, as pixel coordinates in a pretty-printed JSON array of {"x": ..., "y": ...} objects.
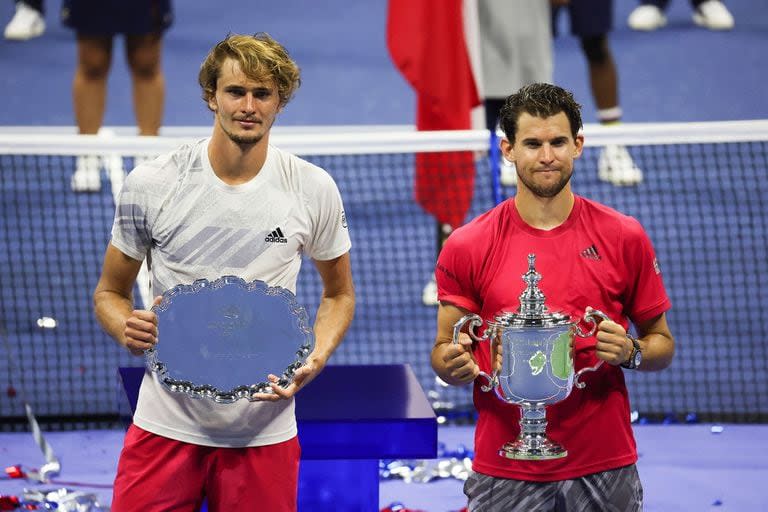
[
  {"x": 141, "y": 330},
  {"x": 459, "y": 366}
]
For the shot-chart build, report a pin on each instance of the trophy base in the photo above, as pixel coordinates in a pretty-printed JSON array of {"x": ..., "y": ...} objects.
[{"x": 542, "y": 449}]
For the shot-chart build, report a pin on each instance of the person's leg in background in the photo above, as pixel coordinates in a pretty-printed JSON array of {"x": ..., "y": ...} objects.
[
  {"x": 143, "y": 53},
  {"x": 144, "y": 29},
  {"x": 591, "y": 21},
  {"x": 27, "y": 22},
  {"x": 89, "y": 96},
  {"x": 89, "y": 87},
  {"x": 615, "y": 165},
  {"x": 603, "y": 78}
]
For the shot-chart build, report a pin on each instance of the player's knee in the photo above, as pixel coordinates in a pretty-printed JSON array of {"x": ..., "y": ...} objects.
[
  {"x": 145, "y": 70},
  {"x": 94, "y": 69},
  {"x": 595, "y": 48}
]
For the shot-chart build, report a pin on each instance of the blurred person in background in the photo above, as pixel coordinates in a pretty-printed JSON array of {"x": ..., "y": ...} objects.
[
  {"x": 515, "y": 50},
  {"x": 96, "y": 22}
]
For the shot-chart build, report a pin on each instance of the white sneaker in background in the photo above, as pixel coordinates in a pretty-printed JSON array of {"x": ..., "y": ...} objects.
[
  {"x": 429, "y": 294},
  {"x": 87, "y": 176},
  {"x": 646, "y": 17},
  {"x": 714, "y": 15},
  {"x": 615, "y": 165},
  {"x": 507, "y": 173},
  {"x": 113, "y": 164},
  {"x": 115, "y": 173},
  {"x": 25, "y": 24}
]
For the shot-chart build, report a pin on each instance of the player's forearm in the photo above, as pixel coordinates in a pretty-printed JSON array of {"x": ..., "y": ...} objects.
[
  {"x": 438, "y": 365},
  {"x": 112, "y": 310},
  {"x": 658, "y": 351},
  {"x": 333, "y": 319}
]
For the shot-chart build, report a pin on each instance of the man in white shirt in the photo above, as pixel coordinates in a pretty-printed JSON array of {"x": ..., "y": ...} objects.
[{"x": 207, "y": 210}]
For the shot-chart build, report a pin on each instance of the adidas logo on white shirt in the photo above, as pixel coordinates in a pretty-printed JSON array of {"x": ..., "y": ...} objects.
[{"x": 276, "y": 237}]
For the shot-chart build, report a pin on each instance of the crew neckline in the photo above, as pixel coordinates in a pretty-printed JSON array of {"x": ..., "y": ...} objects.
[
  {"x": 547, "y": 233},
  {"x": 243, "y": 187}
]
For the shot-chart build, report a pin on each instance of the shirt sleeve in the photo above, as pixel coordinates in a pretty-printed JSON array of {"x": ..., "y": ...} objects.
[
  {"x": 330, "y": 236},
  {"x": 646, "y": 294},
  {"x": 130, "y": 230},
  {"x": 454, "y": 274}
]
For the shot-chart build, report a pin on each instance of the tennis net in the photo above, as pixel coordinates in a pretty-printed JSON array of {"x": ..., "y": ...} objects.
[{"x": 702, "y": 200}]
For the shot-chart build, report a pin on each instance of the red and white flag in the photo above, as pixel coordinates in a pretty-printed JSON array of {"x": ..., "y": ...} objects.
[{"x": 427, "y": 41}]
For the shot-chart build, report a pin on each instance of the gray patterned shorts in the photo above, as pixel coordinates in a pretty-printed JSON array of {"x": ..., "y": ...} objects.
[{"x": 616, "y": 490}]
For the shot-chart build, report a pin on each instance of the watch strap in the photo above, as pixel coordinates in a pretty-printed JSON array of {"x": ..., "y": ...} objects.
[{"x": 630, "y": 363}]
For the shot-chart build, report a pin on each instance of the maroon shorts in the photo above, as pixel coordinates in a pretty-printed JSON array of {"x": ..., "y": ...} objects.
[{"x": 157, "y": 473}]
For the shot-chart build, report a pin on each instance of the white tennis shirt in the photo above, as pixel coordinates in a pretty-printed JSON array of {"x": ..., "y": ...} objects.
[{"x": 191, "y": 225}]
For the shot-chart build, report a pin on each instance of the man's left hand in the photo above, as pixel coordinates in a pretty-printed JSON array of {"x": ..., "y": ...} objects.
[
  {"x": 613, "y": 345},
  {"x": 301, "y": 377}
]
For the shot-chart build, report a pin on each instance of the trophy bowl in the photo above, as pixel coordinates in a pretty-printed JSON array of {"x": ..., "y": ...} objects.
[{"x": 537, "y": 368}]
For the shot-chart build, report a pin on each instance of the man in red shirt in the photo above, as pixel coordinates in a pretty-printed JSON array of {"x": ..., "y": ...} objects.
[{"x": 589, "y": 256}]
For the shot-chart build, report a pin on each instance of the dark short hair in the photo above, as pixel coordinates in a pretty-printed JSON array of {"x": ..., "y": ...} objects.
[
  {"x": 540, "y": 100},
  {"x": 260, "y": 57}
]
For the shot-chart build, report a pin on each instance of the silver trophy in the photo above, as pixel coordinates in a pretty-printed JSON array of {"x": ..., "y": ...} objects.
[{"x": 537, "y": 364}]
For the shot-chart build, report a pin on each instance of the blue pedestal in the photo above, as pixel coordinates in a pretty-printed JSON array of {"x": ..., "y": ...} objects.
[{"x": 349, "y": 417}]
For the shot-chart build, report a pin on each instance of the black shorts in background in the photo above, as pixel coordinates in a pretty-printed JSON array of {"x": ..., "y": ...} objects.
[
  {"x": 589, "y": 18},
  {"x": 110, "y": 17}
]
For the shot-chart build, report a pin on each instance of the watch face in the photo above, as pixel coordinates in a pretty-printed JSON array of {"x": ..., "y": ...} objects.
[{"x": 638, "y": 357}]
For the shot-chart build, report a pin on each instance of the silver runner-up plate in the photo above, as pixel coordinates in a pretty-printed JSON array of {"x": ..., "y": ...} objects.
[{"x": 221, "y": 339}]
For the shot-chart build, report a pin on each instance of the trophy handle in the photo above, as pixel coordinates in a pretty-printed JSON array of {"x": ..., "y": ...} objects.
[
  {"x": 492, "y": 381},
  {"x": 577, "y": 382},
  {"x": 474, "y": 322},
  {"x": 594, "y": 317}
]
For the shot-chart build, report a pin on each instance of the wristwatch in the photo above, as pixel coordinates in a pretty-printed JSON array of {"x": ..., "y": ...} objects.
[{"x": 635, "y": 357}]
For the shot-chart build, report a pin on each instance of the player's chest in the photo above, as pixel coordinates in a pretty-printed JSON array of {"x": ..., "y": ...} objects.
[
  {"x": 231, "y": 229},
  {"x": 575, "y": 272}
]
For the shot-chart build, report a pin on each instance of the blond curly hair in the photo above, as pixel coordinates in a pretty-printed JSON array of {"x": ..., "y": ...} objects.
[{"x": 260, "y": 57}]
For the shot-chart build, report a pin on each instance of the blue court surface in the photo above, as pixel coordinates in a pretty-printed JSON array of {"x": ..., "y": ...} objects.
[{"x": 685, "y": 468}]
